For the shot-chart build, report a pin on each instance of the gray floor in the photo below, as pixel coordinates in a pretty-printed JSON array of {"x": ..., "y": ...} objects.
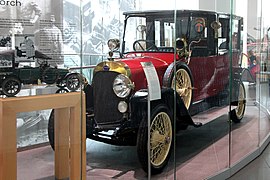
[{"x": 258, "y": 169}]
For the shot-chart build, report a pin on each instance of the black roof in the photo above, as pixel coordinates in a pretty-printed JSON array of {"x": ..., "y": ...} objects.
[{"x": 172, "y": 12}]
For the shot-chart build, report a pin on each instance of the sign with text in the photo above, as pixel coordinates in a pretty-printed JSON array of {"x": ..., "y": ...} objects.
[{"x": 152, "y": 80}]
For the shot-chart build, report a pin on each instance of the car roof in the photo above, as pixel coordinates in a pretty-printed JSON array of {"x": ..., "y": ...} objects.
[{"x": 171, "y": 13}]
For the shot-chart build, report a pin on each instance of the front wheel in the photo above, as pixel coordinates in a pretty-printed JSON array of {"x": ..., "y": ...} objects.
[
  {"x": 238, "y": 113},
  {"x": 161, "y": 133},
  {"x": 61, "y": 83},
  {"x": 51, "y": 129},
  {"x": 11, "y": 86},
  {"x": 73, "y": 82}
]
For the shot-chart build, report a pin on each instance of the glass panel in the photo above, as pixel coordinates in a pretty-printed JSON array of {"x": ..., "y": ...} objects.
[
  {"x": 32, "y": 141},
  {"x": 244, "y": 129},
  {"x": 202, "y": 142},
  {"x": 114, "y": 115},
  {"x": 145, "y": 36},
  {"x": 37, "y": 49},
  {"x": 39, "y": 43},
  {"x": 32, "y": 128},
  {"x": 263, "y": 78}
]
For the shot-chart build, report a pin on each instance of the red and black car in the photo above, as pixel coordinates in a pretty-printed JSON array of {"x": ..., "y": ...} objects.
[{"x": 197, "y": 57}]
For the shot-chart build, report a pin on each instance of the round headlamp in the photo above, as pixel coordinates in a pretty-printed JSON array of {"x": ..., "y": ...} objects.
[
  {"x": 122, "y": 86},
  {"x": 113, "y": 44},
  {"x": 122, "y": 106}
]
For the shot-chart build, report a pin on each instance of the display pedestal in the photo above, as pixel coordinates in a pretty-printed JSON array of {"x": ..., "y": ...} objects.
[{"x": 70, "y": 148}]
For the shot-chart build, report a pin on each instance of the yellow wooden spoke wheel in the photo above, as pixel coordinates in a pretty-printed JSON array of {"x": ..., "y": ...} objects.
[
  {"x": 160, "y": 138},
  {"x": 239, "y": 111},
  {"x": 183, "y": 85}
]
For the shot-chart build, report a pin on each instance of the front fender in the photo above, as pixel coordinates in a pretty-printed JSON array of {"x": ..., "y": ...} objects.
[{"x": 139, "y": 109}]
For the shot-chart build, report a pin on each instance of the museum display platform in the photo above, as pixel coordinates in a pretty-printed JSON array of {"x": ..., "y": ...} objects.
[{"x": 201, "y": 153}]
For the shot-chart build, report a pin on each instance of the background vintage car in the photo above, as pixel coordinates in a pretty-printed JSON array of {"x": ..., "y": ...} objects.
[
  {"x": 192, "y": 58},
  {"x": 12, "y": 76}
]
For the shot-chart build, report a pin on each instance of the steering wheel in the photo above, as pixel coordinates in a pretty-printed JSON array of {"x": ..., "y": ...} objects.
[
  {"x": 144, "y": 45},
  {"x": 39, "y": 61},
  {"x": 42, "y": 63}
]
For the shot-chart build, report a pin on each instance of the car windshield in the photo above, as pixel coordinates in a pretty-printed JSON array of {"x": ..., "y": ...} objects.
[
  {"x": 147, "y": 33},
  {"x": 156, "y": 31}
]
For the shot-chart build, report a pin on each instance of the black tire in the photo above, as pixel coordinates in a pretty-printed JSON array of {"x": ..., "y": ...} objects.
[
  {"x": 11, "y": 86},
  {"x": 160, "y": 112},
  {"x": 51, "y": 129},
  {"x": 184, "y": 90},
  {"x": 50, "y": 75},
  {"x": 61, "y": 91},
  {"x": 238, "y": 113},
  {"x": 61, "y": 83},
  {"x": 73, "y": 82}
]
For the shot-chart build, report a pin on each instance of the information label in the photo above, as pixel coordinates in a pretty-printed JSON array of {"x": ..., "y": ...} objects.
[{"x": 152, "y": 80}]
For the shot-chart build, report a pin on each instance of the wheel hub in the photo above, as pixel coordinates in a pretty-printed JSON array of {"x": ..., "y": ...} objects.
[
  {"x": 183, "y": 91},
  {"x": 159, "y": 138}
]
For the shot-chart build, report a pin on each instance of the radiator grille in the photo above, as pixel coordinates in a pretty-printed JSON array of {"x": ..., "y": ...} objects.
[{"x": 105, "y": 101}]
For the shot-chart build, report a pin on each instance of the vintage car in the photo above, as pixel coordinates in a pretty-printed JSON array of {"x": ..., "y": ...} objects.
[
  {"x": 12, "y": 76},
  {"x": 195, "y": 62}
]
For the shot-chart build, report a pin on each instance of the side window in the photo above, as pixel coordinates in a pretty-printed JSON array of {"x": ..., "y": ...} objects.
[
  {"x": 135, "y": 29},
  {"x": 157, "y": 33},
  {"x": 235, "y": 35},
  {"x": 169, "y": 34},
  {"x": 198, "y": 29},
  {"x": 223, "y": 34},
  {"x": 181, "y": 27},
  {"x": 198, "y": 34}
]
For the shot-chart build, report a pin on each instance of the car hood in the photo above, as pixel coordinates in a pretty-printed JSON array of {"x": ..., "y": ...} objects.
[
  {"x": 135, "y": 63},
  {"x": 131, "y": 67}
]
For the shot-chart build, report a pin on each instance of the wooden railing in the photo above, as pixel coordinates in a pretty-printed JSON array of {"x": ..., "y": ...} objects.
[{"x": 70, "y": 135}]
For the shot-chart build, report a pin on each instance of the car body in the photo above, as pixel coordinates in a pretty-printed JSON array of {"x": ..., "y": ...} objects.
[
  {"x": 12, "y": 76},
  {"x": 192, "y": 66}
]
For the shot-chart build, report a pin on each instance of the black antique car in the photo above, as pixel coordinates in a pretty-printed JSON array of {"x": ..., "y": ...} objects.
[
  {"x": 12, "y": 76},
  {"x": 196, "y": 61}
]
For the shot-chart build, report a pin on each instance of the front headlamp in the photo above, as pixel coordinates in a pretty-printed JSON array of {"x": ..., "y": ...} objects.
[
  {"x": 113, "y": 44},
  {"x": 122, "y": 106},
  {"x": 122, "y": 86}
]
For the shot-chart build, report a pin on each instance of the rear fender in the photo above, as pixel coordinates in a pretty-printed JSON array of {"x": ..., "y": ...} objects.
[
  {"x": 246, "y": 75},
  {"x": 239, "y": 75}
]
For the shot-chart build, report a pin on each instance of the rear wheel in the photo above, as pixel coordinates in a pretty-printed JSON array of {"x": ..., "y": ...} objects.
[
  {"x": 182, "y": 83},
  {"x": 160, "y": 140},
  {"x": 11, "y": 86},
  {"x": 238, "y": 113}
]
